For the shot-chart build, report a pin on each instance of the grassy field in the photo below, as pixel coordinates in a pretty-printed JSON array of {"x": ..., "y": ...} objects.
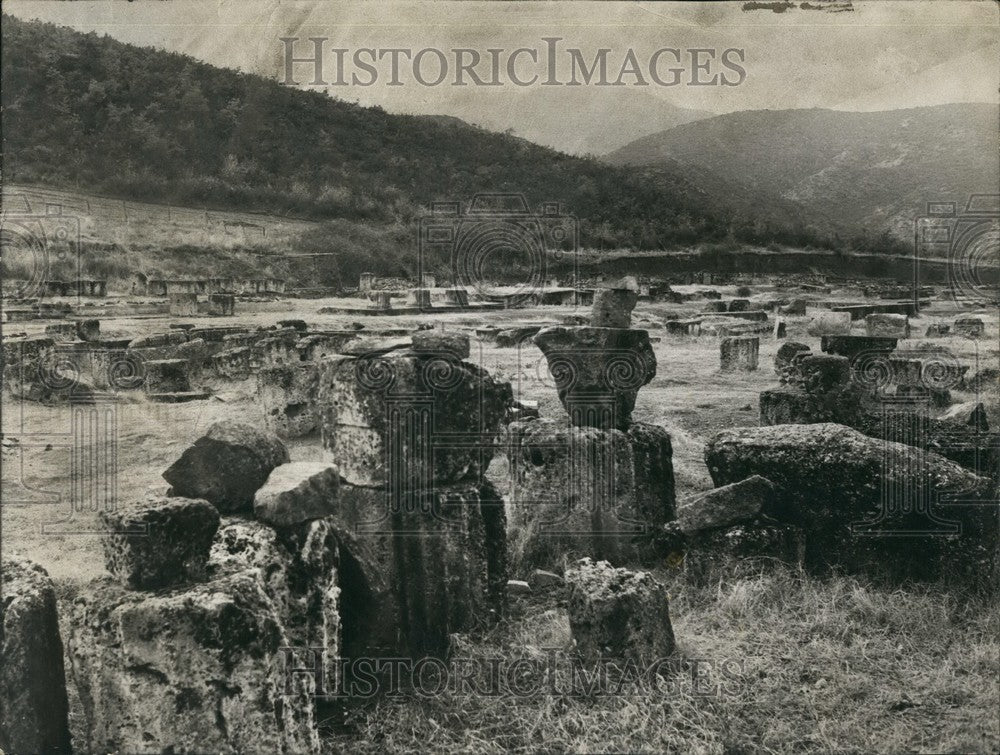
[{"x": 793, "y": 663}]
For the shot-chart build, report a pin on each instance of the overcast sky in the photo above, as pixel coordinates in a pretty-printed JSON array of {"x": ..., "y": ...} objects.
[{"x": 880, "y": 55}]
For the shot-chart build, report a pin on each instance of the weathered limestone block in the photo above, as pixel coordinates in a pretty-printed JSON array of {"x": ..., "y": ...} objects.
[
  {"x": 830, "y": 324},
  {"x": 409, "y": 420},
  {"x": 786, "y": 361},
  {"x": 88, "y": 330},
  {"x": 822, "y": 373},
  {"x": 287, "y": 396},
  {"x": 419, "y": 565},
  {"x": 887, "y": 325},
  {"x": 221, "y": 305},
  {"x": 227, "y": 465},
  {"x": 795, "y": 307},
  {"x": 164, "y": 543},
  {"x": 441, "y": 343},
  {"x": 297, "y": 492},
  {"x": 188, "y": 671},
  {"x": 936, "y": 329},
  {"x": 166, "y": 375},
  {"x": 183, "y": 304},
  {"x": 971, "y": 327},
  {"x": 61, "y": 331},
  {"x": 598, "y": 371},
  {"x": 738, "y": 305},
  {"x": 458, "y": 297},
  {"x": 708, "y": 552},
  {"x": 585, "y": 491},
  {"x": 730, "y": 504},
  {"x": 852, "y": 495},
  {"x": 619, "y": 614},
  {"x": 237, "y": 363},
  {"x": 33, "y": 704},
  {"x": 852, "y": 346},
  {"x": 419, "y": 297},
  {"x": 313, "y": 348},
  {"x": 612, "y": 308},
  {"x": 739, "y": 353}
]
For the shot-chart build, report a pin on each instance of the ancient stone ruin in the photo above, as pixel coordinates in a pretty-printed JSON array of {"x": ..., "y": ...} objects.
[{"x": 600, "y": 485}]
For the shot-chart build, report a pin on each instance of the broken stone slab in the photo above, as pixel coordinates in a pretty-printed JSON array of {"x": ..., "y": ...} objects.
[
  {"x": 731, "y": 504},
  {"x": 287, "y": 396},
  {"x": 739, "y": 353},
  {"x": 227, "y": 465},
  {"x": 853, "y": 495},
  {"x": 887, "y": 325},
  {"x": 34, "y": 713},
  {"x": 612, "y": 307},
  {"x": 178, "y": 397},
  {"x": 598, "y": 371},
  {"x": 297, "y": 492},
  {"x": 852, "y": 346},
  {"x": 164, "y": 543},
  {"x": 937, "y": 329},
  {"x": 615, "y": 613},
  {"x": 166, "y": 376},
  {"x": 586, "y": 491},
  {"x": 709, "y": 552},
  {"x": 830, "y": 324},
  {"x": 423, "y": 564},
  {"x": 441, "y": 343},
  {"x": 409, "y": 420},
  {"x": 197, "y": 669}
]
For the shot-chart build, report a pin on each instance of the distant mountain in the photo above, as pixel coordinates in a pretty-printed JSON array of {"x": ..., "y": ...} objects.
[
  {"x": 863, "y": 170},
  {"x": 572, "y": 119}
]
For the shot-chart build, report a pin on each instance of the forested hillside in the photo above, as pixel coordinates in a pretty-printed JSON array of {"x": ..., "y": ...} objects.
[{"x": 89, "y": 113}]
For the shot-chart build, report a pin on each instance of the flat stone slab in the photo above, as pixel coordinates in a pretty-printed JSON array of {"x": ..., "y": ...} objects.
[
  {"x": 179, "y": 397},
  {"x": 728, "y": 505}
]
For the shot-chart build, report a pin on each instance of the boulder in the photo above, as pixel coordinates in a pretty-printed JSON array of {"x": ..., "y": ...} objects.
[
  {"x": 730, "y": 504},
  {"x": 33, "y": 705},
  {"x": 853, "y": 495},
  {"x": 199, "y": 669},
  {"x": 164, "y": 543},
  {"x": 612, "y": 307},
  {"x": 618, "y": 614},
  {"x": 585, "y": 491},
  {"x": 227, "y": 465},
  {"x": 297, "y": 492},
  {"x": 598, "y": 371},
  {"x": 409, "y": 420}
]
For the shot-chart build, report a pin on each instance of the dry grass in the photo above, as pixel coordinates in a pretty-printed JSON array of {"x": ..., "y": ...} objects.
[{"x": 832, "y": 665}]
